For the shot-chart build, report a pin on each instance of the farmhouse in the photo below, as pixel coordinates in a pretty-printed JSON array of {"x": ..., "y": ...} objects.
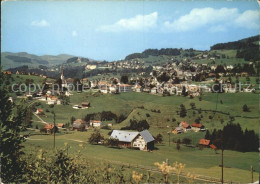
[
  {"x": 85, "y": 104},
  {"x": 142, "y": 140},
  {"x": 177, "y": 130},
  {"x": 79, "y": 124},
  {"x": 197, "y": 127},
  {"x": 206, "y": 143},
  {"x": 185, "y": 126},
  {"x": 48, "y": 127},
  {"x": 39, "y": 112},
  {"x": 7, "y": 72},
  {"x": 60, "y": 125},
  {"x": 95, "y": 123}
]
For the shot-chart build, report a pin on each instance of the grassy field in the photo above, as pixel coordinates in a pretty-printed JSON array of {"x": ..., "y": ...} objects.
[
  {"x": 137, "y": 106},
  {"x": 201, "y": 162},
  {"x": 129, "y": 104}
]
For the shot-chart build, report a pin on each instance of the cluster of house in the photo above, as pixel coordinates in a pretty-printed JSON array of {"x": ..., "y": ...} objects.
[
  {"x": 48, "y": 98},
  {"x": 153, "y": 87},
  {"x": 106, "y": 87},
  {"x": 48, "y": 127},
  {"x": 82, "y": 124},
  {"x": 185, "y": 127}
]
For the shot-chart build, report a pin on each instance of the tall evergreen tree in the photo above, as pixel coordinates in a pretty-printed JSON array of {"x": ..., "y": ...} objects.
[
  {"x": 11, "y": 139},
  {"x": 183, "y": 111}
]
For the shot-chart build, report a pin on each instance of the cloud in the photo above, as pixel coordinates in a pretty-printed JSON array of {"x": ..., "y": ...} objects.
[
  {"x": 41, "y": 23},
  {"x": 218, "y": 28},
  {"x": 212, "y": 18},
  {"x": 137, "y": 23},
  {"x": 249, "y": 19},
  {"x": 74, "y": 33}
]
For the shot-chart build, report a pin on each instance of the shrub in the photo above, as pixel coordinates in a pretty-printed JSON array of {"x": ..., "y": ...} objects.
[
  {"x": 95, "y": 137},
  {"x": 186, "y": 140},
  {"x": 106, "y": 127},
  {"x": 158, "y": 138},
  {"x": 183, "y": 111},
  {"x": 245, "y": 108},
  {"x": 111, "y": 142}
]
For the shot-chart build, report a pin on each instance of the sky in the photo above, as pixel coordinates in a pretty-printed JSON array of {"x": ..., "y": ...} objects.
[{"x": 110, "y": 30}]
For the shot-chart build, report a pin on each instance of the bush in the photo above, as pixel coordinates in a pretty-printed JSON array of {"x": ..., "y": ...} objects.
[
  {"x": 111, "y": 142},
  {"x": 245, "y": 108},
  {"x": 106, "y": 127},
  {"x": 148, "y": 115},
  {"x": 158, "y": 138},
  {"x": 139, "y": 126},
  {"x": 110, "y": 132},
  {"x": 183, "y": 111},
  {"x": 186, "y": 141},
  {"x": 178, "y": 146},
  {"x": 95, "y": 137}
]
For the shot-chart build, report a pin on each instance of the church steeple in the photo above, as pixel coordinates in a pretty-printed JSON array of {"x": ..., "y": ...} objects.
[{"x": 62, "y": 73}]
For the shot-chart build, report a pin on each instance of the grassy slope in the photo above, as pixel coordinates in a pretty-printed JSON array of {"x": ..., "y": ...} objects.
[
  {"x": 124, "y": 103},
  {"x": 203, "y": 162}
]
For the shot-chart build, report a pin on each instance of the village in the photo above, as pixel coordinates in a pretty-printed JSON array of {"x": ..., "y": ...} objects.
[{"x": 173, "y": 78}]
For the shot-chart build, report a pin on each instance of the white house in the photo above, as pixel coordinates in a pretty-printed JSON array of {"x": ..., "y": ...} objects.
[
  {"x": 95, "y": 123},
  {"x": 154, "y": 90},
  {"x": 124, "y": 88}
]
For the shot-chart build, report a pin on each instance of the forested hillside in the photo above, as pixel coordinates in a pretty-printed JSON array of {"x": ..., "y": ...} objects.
[{"x": 247, "y": 48}]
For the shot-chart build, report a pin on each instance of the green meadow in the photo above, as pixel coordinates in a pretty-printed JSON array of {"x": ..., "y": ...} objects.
[{"x": 138, "y": 106}]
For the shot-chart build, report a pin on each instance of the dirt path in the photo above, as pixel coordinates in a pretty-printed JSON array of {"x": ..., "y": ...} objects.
[{"x": 41, "y": 120}]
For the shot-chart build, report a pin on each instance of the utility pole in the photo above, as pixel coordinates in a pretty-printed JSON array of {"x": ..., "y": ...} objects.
[
  {"x": 54, "y": 128},
  {"x": 252, "y": 174},
  {"x": 169, "y": 137},
  {"x": 222, "y": 170}
]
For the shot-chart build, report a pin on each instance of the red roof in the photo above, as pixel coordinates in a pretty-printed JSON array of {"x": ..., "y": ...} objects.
[
  {"x": 95, "y": 121},
  {"x": 48, "y": 126},
  {"x": 196, "y": 125},
  {"x": 204, "y": 142},
  {"x": 40, "y": 110},
  {"x": 213, "y": 146},
  {"x": 60, "y": 125},
  {"x": 184, "y": 124}
]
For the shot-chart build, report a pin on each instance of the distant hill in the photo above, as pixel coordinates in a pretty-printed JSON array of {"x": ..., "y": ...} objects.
[
  {"x": 13, "y": 60},
  {"x": 247, "y": 48}
]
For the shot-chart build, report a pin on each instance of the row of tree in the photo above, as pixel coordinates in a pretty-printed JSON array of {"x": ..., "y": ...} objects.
[
  {"x": 232, "y": 137},
  {"x": 139, "y": 126},
  {"x": 105, "y": 116},
  {"x": 154, "y": 52}
]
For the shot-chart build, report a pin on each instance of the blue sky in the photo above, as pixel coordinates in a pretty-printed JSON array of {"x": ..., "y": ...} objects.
[{"x": 111, "y": 30}]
